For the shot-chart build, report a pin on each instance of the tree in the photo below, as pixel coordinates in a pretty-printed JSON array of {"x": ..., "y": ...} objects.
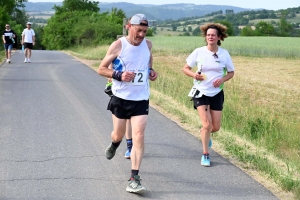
[
  {"x": 229, "y": 11},
  {"x": 190, "y": 29},
  {"x": 154, "y": 29},
  {"x": 284, "y": 27},
  {"x": 11, "y": 6},
  {"x": 77, "y": 5},
  {"x": 174, "y": 27},
  {"x": 150, "y": 32},
  {"x": 20, "y": 16},
  {"x": 264, "y": 29},
  {"x": 81, "y": 28},
  {"x": 230, "y": 30},
  {"x": 251, "y": 16},
  {"x": 4, "y": 17},
  {"x": 10, "y": 10},
  {"x": 247, "y": 31},
  {"x": 196, "y": 32},
  {"x": 39, "y": 32}
]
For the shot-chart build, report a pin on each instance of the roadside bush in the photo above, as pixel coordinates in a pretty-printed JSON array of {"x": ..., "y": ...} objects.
[{"x": 81, "y": 28}]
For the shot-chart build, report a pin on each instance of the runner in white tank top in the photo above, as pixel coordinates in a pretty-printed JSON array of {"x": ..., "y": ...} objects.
[
  {"x": 134, "y": 59},
  {"x": 132, "y": 67}
]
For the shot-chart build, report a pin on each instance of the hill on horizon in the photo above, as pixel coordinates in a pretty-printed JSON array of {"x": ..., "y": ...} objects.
[{"x": 153, "y": 12}]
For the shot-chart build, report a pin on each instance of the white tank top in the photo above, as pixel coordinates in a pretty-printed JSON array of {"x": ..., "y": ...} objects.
[{"x": 135, "y": 59}]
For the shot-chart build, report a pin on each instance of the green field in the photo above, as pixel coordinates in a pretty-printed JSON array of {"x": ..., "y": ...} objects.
[{"x": 277, "y": 47}]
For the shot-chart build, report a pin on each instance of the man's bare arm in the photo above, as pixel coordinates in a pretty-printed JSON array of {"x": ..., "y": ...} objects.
[
  {"x": 153, "y": 74},
  {"x": 23, "y": 39},
  {"x": 33, "y": 40},
  {"x": 112, "y": 52}
]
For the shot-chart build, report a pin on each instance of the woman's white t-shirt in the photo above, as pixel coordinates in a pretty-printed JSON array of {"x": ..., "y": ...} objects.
[{"x": 211, "y": 67}]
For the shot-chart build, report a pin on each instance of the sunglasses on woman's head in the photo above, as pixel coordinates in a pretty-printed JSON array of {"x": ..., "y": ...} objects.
[{"x": 215, "y": 56}]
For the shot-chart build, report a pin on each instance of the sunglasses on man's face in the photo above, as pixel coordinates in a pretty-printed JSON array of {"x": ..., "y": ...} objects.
[{"x": 7, "y": 26}]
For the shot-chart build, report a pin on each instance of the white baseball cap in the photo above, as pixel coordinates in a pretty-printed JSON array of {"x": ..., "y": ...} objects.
[
  {"x": 28, "y": 23},
  {"x": 138, "y": 19}
]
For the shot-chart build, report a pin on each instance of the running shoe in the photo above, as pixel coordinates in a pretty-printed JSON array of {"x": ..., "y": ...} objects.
[
  {"x": 134, "y": 185},
  {"x": 28, "y": 60},
  {"x": 128, "y": 152},
  {"x": 210, "y": 143},
  {"x": 110, "y": 151},
  {"x": 205, "y": 160},
  {"x": 25, "y": 61}
]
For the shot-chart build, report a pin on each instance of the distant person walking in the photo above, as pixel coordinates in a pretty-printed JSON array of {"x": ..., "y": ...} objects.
[
  {"x": 28, "y": 40},
  {"x": 214, "y": 67},
  {"x": 132, "y": 68},
  {"x": 8, "y": 40}
]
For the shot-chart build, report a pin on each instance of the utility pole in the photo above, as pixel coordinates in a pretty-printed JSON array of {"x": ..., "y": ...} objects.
[{"x": 124, "y": 28}]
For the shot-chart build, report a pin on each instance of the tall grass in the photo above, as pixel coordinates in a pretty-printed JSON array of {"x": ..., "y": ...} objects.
[
  {"x": 2, "y": 55},
  {"x": 90, "y": 53}
]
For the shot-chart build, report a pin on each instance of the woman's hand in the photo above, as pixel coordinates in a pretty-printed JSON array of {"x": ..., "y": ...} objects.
[
  {"x": 199, "y": 77},
  {"x": 218, "y": 82}
]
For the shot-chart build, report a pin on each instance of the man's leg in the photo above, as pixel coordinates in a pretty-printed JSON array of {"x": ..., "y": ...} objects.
[
  {"x": 29, "y": 55},
  {"x": 6, "y": 49},
  {"x": 138, "y": 124},
  {"x": 116, "y": 136},
  {"x": 25, "y": 54},
  {"x": 9, "y": 52},
  {"x": 128, "y": 136}
]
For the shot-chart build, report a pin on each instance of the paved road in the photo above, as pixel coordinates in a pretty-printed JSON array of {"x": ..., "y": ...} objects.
[{"x": 54, "y": 128}]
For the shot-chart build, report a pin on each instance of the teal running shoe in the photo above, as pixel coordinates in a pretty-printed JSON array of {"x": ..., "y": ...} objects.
[{"x": 205, "y": 160}]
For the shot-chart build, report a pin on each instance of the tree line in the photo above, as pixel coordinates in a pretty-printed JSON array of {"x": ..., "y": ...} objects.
[{"x": 282, "y": 28}]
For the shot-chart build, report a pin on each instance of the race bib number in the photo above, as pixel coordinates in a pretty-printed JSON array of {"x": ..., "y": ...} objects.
[
  {"x": 140, "y": 78},
  {"x": 193, "y": 91}
]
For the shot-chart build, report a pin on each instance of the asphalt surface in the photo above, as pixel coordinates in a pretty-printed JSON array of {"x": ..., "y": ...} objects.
[{"x": 54, "y": 128}]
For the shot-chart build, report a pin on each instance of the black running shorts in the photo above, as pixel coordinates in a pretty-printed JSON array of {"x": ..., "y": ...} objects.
[
  {"x": 215, "y": 102},
  {"x": 28, "y": 45},
  {"x": 125, "y": 109}
]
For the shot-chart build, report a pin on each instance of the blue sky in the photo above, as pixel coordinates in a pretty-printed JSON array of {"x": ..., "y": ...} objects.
[{"x": 266, "y": 4}]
